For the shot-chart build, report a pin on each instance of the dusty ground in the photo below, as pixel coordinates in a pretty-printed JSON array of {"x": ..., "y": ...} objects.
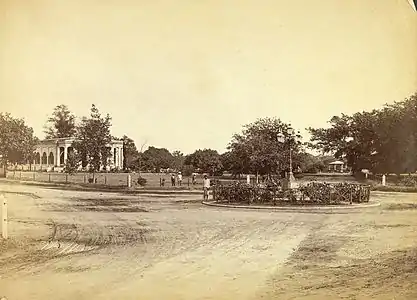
[{"x": 90, "y": 245}]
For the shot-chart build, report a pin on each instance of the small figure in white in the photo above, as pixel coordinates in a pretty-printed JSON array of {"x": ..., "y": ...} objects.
[
  {"x": 179, "y": 178},
  {"x": 206, "y": 187}
]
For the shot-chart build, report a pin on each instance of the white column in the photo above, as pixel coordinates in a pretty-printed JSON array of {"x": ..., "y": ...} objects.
[
  {"x": 117, "y": 157},
  {"x": 57, "y": 156},
  {"x": 121, "y": 157},
  {"x": 41, "y": 155},
  {"x": 112, "y": 156},
  {"x": 65, "y": 153}
]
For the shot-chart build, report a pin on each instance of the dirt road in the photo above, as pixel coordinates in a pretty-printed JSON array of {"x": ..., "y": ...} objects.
[{"x": 88, "y": 245}]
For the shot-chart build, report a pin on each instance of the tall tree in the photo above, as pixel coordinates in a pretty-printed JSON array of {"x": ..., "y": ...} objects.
[
  {"x": 17, "y": 141},
  {"x": 130, "y": 153},
  {"x": 157, "y": 158},
  {"x": 61, "y": 123},
  {"x": 72, "y": 163},
  {"x": 383, "y": 140},
  {"x": 351, "y": 137},
  {"x": 312, "y": 164},
  {"x": 93, "y": 139},
  {"x": 258, "y": 150},
  {"x": 178, "y": 160},
  {"x": 206, "y": 160}
]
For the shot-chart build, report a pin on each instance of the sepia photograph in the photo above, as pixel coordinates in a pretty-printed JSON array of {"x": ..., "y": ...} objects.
[{"x": 208, "y": 150}]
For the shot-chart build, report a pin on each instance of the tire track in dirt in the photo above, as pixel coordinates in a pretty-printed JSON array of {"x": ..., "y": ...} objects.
[
  {"x": 76, "y": 237},
  {"x": 241, "y": 262}
]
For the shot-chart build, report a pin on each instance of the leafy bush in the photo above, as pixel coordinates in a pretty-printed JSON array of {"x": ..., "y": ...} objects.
[
  {"x": 141, "y": 181},
  {"x": 92, "y": 180},
  {"x": 72, "y": 163},
  {"x": 187, "y": 170},
  {"x": 315, "y": 192},
  {"x": 408, "y": 181}
]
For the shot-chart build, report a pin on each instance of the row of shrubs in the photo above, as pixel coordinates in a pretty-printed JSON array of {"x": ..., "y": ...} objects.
[{"x": 311, "y": 193}]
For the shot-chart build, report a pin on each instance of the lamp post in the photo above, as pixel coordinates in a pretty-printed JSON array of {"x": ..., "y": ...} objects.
[{"x": 281, "y": 138}]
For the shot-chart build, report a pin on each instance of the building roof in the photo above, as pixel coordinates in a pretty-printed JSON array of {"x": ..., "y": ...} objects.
[
  {"x": 69, "y": 140},
  {"x": 337, "y": 162}
]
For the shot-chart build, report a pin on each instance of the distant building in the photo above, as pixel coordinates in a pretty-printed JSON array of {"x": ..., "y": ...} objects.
[
  {"x": 337, "y": 167},
  {"x": 52, "y": 154}
]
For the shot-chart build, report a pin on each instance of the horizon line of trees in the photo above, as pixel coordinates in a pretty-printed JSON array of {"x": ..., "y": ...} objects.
[{"x": 383, "y": 141}]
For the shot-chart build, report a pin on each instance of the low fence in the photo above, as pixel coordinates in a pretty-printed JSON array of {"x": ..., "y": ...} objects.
[
  {"x": 108, "y": 179},
  {"x": 311, "y": 193}
]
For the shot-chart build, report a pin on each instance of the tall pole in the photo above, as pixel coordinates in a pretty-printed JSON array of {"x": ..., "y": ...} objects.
[
  {"x": 3, "y": 203},
  {"x": 291, "y": 179}
]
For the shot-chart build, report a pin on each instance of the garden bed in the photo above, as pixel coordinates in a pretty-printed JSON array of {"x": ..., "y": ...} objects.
[{"x": 314, "y": 193}]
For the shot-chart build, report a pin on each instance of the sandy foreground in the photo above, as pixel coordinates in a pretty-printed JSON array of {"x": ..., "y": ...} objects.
[{"x": 91, "y": 245}]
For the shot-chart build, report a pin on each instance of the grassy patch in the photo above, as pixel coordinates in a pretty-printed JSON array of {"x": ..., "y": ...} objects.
[
  {"x": 394, "y": 188},
  {"x": 401, "y": 206}
]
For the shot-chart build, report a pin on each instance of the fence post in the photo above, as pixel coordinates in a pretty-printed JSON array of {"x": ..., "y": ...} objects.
[
  {"x": 66, "y": 178},
  {"x": 34, "y": 176},
  {"x": 129, "y": 181},
  {"x": 383, "y": 180},
  {"x": 85, "y": 179},
  {"x": 14, "y": 174},
  {"x": 49, "y": 177},
  {"x": 105, "y": 179},
  {"x": 20, "y": 175},
  {"x": 350, "y": 196},
  {"x": 3, "y": 202}
]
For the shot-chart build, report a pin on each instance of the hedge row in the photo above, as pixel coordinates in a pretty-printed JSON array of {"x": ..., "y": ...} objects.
[{"x": 312, "y": 193}]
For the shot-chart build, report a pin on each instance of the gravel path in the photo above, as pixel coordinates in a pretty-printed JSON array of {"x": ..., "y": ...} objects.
[{"x": 89, "y": 245}]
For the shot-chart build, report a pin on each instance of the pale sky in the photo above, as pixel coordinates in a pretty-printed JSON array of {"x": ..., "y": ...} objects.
[{"x": 187, "y": 74}]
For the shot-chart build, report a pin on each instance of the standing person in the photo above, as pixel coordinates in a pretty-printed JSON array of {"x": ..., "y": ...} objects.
[
  {"x": 194, "y": 179},
  {"x": 172, "y": 180},
  {"x": 206, "y": 187},
  {"x": 179, "y": 178}
]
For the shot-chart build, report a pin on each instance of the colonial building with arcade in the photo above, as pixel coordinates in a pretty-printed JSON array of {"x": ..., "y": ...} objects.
[{"x": 52, "y": 154}]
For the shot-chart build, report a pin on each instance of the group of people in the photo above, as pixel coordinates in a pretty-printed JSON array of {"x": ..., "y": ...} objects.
[{"x": 176, "y": 179}]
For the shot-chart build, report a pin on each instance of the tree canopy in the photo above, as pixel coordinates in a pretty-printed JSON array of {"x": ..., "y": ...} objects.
[
  {"x": 93, "y": 138},
  {"x": 154, "y": 159},
  {"x": 61, "y": 123},
  {"x": 258, "y": 150},
  {"x": 17, "y": 140},
  {"x": 178, "y": 160},
  {"x": 130, "y": 152},
  {"x": 382, "y": 140},
  {"x": 206, "y": 160}
]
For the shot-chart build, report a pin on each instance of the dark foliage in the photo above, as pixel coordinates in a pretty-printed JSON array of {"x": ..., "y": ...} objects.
[{"x": 312, "y": 193}]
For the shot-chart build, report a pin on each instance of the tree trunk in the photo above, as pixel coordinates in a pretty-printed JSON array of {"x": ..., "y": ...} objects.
[{"x": 5, "y": 167}]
